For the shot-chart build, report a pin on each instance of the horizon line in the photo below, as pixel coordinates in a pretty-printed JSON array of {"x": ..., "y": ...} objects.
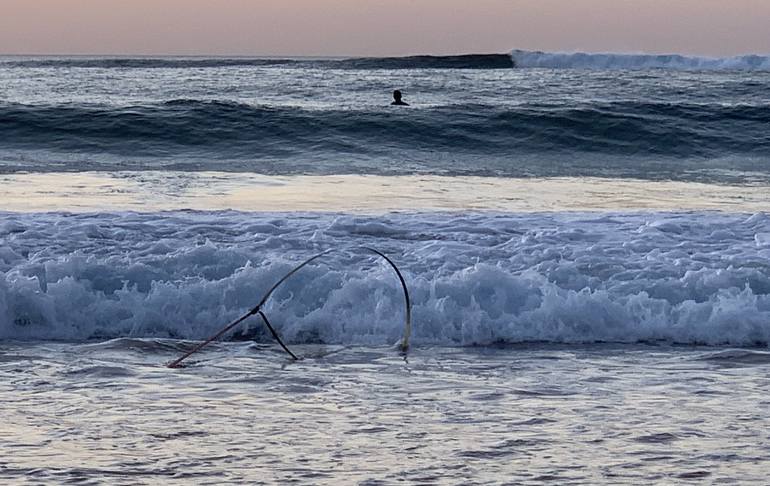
[{"x": 358, "y": 56}]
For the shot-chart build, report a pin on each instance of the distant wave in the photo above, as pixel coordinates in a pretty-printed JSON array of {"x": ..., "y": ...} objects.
[
  {"x": 581, "y": 60},
  {"x": 517, "y": 58},
  {"x": 295, "y": 140},
  {"x": 468, "y": 61},
  {"x": 557, "y": 60},
  {"x": 143, "y": 63}
]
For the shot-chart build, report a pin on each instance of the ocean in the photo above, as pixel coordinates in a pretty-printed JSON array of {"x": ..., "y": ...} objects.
[{"x": 585, "y": 239}]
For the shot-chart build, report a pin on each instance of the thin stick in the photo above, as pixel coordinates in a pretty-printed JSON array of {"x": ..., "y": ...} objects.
[
  {"x": 176, "y": 363},
  {"x": 275, "y": 335},
  {"x": 407, "y": 302},
  {"x": 404, "y": 346}
]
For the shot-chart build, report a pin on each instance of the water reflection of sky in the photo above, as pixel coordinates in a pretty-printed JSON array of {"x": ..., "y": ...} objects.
[{"x": 153, "y": 191}]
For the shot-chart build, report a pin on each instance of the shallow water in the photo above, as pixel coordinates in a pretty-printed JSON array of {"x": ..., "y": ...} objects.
[
  {"x": 241, "y": 413},
  {"x": 170, "y": 190}
]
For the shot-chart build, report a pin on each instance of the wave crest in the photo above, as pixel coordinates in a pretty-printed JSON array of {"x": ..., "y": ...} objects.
[
  {"x": 601, "y": 61},
  {"x": 675, "y": 137},
  {"x": 463, "y": 61},
  {"x": 692, "y": 278}
]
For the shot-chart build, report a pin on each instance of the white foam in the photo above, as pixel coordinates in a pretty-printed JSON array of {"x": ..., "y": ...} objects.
[
  {"x": 582, "y": 60},
  {"x": 475, "y": 278}
]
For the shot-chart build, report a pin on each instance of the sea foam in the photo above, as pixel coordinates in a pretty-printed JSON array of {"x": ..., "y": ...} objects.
[
  {"x": 475, "y": 279},
  {"x": 582, "y": 60}
]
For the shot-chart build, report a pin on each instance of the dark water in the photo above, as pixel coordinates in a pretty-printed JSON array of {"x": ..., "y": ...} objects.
[{"x": 283, "y": 116}]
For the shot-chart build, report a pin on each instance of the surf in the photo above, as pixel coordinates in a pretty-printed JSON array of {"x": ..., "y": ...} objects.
[
  {"x": 630, "y": 61},
  {"x": 694, "y": 278}
]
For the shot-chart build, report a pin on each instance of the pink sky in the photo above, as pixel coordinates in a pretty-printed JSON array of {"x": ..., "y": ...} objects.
[{"x": 381, "y": 27}]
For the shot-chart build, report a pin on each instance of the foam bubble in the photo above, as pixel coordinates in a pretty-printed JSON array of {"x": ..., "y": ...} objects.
[
  {"x": 475, "y": 279},
  {"x": 582, "y": 60}
]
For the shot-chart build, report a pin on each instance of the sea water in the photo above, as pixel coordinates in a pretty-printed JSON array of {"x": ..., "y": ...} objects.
[{"x": 585, "y": 239}]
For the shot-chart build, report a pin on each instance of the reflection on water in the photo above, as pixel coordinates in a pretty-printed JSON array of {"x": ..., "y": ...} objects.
[
  {"x": 152, "y": 191},
  {"x": 111, "y": 413}
]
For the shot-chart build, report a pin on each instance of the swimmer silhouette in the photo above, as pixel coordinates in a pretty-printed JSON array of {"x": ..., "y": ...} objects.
[{"x": 397, "y": 99}]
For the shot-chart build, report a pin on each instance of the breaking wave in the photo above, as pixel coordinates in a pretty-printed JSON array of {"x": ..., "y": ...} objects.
[
  {"x": 516, "y": 59},
  {"x": 581, "y": 60},
  {"x": 691, "y": 278}
]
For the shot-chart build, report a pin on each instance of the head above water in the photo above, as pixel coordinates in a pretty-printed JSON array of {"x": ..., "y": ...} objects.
[{"x": 397, "y": 98}]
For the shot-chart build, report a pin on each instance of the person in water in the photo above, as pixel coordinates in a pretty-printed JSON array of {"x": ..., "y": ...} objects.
[{"x": 397, "y": 99}]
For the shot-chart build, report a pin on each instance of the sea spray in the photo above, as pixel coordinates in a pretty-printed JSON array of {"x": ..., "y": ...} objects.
[{"x": 695, "y": 278}]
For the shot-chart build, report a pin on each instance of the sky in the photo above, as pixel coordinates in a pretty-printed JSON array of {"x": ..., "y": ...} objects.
[{"x": 382, "y": 27}]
